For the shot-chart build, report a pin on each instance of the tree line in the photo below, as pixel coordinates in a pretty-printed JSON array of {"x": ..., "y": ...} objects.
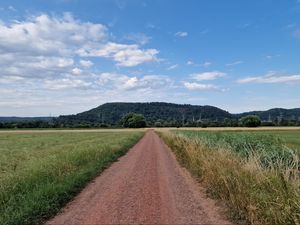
[{"x": 137, "y": 120}]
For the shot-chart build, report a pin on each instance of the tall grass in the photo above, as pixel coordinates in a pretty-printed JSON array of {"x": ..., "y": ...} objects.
[
  {"x": 41, "y": 172},
  {"x": 270, "y": 150},
  {"x": 255, "y": 193}
]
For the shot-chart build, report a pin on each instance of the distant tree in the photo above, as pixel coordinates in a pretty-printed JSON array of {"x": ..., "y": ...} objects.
[
  {"x": 158, "y": 124},
  {"x": 268, "y": 124},
  {"x": 133, "y": 120},
  {"x": 204, "y": 125},
  {"x": 103, "y": 125},
  {"x": 250, "y": 121},
  {"x": 284, "y": 122}
]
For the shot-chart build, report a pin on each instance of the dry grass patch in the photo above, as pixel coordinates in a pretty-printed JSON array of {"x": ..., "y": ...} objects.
[{"x": 255, "y": 193}]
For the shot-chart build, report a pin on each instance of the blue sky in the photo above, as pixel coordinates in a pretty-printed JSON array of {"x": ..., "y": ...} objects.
[{"x": 67, "y": 56}]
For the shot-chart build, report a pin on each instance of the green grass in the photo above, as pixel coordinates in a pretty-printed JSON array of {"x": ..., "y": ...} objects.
[
  {"x": 290, "y": 138},
  {"x": 256, "y": 174},
  {"x": 40, "y": 172},
  {"x": 270, "y": 147}
]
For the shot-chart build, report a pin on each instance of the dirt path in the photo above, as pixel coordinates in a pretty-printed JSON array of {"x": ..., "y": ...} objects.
[{"x": 145, "y": 186}]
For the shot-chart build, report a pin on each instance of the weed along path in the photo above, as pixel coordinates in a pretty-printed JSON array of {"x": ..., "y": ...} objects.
[{"x": 146, "y": 186}]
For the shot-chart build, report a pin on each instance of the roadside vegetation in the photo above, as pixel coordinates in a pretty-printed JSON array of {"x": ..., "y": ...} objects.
[
  {"x": 256, "y": 174},
  {"x": 40, "y": 172}
]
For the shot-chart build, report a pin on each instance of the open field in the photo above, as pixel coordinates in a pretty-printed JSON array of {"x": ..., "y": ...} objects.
[
  {"x": 275, "y": 128},
  {"x": 64, "y": 130},
  {"x": 247, "y": 138},
  {"x": 256, "y": 173},
  {"x": 291, "y": 138},
  {"x": 41, "y": 171}
]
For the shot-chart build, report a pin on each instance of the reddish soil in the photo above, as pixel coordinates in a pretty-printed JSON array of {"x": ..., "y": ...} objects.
[{"x": 146, "y": 186}]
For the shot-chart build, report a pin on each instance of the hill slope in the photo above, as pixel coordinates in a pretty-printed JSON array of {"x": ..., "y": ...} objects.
[
  {"x": 8, "y": 119},
  {"x": 168, "y": 114},
  {"x": 111, "y": 113},
  {"x": 275, "y": 114}
]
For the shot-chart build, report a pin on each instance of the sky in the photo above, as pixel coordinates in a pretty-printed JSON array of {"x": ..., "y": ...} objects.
[{"x": 62, "y": 57}]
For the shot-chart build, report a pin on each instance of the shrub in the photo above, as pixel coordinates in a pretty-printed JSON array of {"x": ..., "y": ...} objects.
[
  {"x": 133, "y": 120},
  {"x": 250, "y": 121}
]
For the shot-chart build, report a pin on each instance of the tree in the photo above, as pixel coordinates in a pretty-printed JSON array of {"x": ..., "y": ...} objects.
[
  {"x": 133, "y": 120},
  {"x": 158, "y": 123},
  {"x": 250, "y": 121}
]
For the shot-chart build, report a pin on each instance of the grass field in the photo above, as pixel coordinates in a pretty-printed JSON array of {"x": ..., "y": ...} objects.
[
  {"x": 41, "y": 171},
  {"x": 255, "y": 172},
  {"x": 269, "y": 147},
  {"x": 290, "y": 138}
]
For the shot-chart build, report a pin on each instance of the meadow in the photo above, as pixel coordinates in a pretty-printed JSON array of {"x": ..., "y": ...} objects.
[
  {"x": 256, "y": 173},
  {"x": 42, "y": 171}
]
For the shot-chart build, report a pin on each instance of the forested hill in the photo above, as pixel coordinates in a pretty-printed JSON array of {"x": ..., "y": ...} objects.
[
  {"x": 275, "y": 114},
  {"x": 14, "y": 119},
  {"x": 165, "y": 114},
  {"x": 111, "y": 113}
]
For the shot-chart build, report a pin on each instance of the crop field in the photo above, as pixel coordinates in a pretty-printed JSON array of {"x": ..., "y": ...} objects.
[
  {"x": 289, "y": 137},
  {"x": 256, "y": 173},
  {"x": 269, "y": 146},
  {"x": 42, "y": 171}
]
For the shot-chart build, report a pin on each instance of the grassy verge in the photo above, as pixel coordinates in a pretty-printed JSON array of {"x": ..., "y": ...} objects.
[
  {"x": 39, "y": 173},
  {"x": 256, "y": 193}
]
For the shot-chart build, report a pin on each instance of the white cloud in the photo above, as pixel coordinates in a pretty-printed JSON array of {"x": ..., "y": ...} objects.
[
  {"x": 181, "y": 34},
  {"x": 11, "y": 79},
  {"x": 72, "y": 94},
  {"x": 234, "y": 63},
  {"x": 123, "y": 82},
  {"x": 139, "y": 38},
  {"x": 270, "y": 57},
  {"x": 14, "y": 64},
  {"x": 11, "y": 8},
  {"x": 39, "y": 56},
  {"x": 151, "y": 26},
  {"x": 173, "y": 67},
  {"x": 76, "y": 71},
  {"x": 290, "y": 26},
  {"x": 198, "y": 86},
  {"x": 86, "y": 63},
  {"x": 44, "y": 35},
  {"x": 244, "y": 25},
  {"x": 125, "y": 55},
  {"x": 208, "y": 75},
  {"x": 204, "y": 64},
  {"x": 190, "y": 63},
  {"x": 203, "y": 32},
  {"x": 270, "y": 78},
  {"x": 47, "y": 46},
  {"x": 66, "y": 83}
]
